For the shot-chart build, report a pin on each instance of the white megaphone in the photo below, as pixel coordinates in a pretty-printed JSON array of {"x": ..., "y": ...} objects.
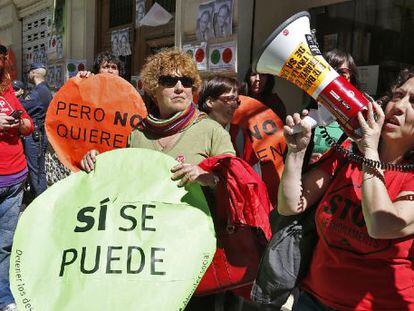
[{"x": 292, "y": 53}]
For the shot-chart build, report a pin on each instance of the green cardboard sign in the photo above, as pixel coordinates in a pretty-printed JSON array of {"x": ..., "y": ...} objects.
[{"x": 123, "y": 237}]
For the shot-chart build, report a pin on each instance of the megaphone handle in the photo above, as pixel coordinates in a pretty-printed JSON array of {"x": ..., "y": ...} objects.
[{"x": 311, "y": 121}]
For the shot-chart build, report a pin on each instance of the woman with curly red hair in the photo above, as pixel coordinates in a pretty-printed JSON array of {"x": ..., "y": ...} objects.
[{"x": 174, "y": 125}]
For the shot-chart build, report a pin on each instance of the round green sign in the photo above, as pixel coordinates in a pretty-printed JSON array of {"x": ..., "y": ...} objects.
[{"x": 123, "y": 237}]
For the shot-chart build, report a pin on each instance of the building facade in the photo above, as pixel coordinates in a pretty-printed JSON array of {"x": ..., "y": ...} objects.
[{"x": 67, "y": 34}]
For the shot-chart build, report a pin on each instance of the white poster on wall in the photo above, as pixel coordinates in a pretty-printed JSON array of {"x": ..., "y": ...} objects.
[
  {"x": 199, "y": 54},
  {"x": 124, "y": 47},
  {"x": 156, "y": 16},
  {"x": 204, "y": 27},
  {"x": 223, "y": 18},
  {"x": 139, "y": 11},
  {"x": 50, "y": 77},
  {"x": 73, "y": 66},
  {"x": 368, "y": 78},
  {"x": 115, "y": 42},
  {"x": 222, "y": 56},
  {"x": 59, "y": 79}
]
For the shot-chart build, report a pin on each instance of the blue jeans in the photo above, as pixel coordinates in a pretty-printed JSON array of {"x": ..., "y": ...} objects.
[
  {"x": 10, "y": 201},
  {"x": 35, "y": 155},
  {"x": 307, "y": 302}
]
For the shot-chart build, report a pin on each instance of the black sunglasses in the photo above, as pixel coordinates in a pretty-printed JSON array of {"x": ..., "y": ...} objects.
[
  {"x": 3, "y": 49},
  {"x": 171, "y": 81}
]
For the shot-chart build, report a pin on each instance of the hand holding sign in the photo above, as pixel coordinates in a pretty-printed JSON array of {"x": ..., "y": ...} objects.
[{"x": 94, "y": 113}]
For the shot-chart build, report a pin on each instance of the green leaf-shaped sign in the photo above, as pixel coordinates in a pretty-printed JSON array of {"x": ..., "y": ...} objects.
[{"x": 123, "y": 237}]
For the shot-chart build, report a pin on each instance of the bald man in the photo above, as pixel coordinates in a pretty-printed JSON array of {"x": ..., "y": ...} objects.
[{"x": 36, "y": 103}]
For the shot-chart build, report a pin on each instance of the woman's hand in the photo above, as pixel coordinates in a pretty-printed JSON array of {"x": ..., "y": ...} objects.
[
  {"x": 84, "y": 74},
  {"x": 8, "y": 122},
  {"x": 88, "y": 161},
  {"x": 299, "y": 141},
  {"x": 186, "y": 173},
  {"x": 371, "y": 128}
]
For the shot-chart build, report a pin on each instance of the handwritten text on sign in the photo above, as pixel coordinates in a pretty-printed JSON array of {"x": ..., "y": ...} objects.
[{"x": 98, "y": 112}]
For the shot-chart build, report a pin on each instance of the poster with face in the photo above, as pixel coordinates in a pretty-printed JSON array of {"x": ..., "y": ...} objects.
[
  {"x": 115, "y": 42},
  {"x": 139, "y": 11},
  {"x": 58, "y": 76},
  {"x": 223, "y": 18},
  {"x": 204, "y": 29},
  {"x": 59, "y": 46},
  {"x": 50, "y": 76},
  {"x": 124, "y": 46}
]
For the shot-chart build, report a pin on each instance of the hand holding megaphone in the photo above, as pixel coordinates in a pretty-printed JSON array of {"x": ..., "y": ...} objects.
[
  {"x": 292, "y": 53},
  {"x": 315, "y": 117}
]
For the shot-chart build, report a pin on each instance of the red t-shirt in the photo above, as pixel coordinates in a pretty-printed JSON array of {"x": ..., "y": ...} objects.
[
  {"x": 349, "y": 269},
  {"x": 12, "y": 158}
]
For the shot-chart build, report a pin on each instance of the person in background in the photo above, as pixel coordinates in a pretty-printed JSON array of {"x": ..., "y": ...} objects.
[
  {"x": 36, "y": 103},
  {"x": 365, "y": 214},
  {"x": 106, "y": 62},
  {"x": 219, "y": 98},
  {"x": 14, "y": 121},
  {"x": 260, "y": 86}
]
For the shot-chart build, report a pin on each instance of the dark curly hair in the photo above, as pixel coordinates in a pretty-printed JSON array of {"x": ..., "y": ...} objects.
[
  {"x": 107, "y": 56},
  {"x": 403, "y": 76}
]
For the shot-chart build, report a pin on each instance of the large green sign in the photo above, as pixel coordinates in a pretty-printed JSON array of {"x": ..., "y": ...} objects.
[{"x": 123, "y": 237}]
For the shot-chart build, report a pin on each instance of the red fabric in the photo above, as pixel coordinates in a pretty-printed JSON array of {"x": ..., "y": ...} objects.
[
  {"x": 245, "y": 192},
  {"x": 350, "y": 270},
  {"x": 241, "y": 224},
  {"x": 12, "y": 158}
]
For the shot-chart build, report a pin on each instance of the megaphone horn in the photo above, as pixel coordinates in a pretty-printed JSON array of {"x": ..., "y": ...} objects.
[{"x": 292, "y": 53}]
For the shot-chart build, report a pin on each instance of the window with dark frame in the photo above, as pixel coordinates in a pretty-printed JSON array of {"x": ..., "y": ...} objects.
[
  {"x": 376, "y": 33},
  {"x": 120, "y": 12},
  {"x": 169, "y": 5}
]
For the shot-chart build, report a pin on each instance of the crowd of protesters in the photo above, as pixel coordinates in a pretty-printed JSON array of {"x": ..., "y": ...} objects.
[{"x": 364, "y": 212}]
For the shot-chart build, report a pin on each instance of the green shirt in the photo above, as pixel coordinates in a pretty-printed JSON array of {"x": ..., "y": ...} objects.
[
  {"x": 201, "y": 140},
  {"x": 321, "y": 145}
]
